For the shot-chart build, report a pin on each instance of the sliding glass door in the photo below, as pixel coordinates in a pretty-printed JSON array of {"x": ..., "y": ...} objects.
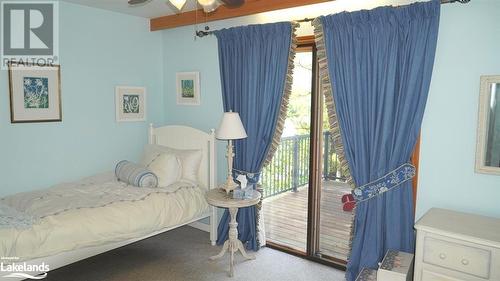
[
  {"x": 286, "y": 178},
  {"x": 302, "y": 185},
  {"x": 335, "y": 217}
]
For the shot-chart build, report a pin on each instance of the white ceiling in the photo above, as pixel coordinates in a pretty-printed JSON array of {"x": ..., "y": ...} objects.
[{"x": 155, "y": 8}]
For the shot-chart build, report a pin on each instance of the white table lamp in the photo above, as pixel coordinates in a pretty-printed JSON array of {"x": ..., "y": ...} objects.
[{"x": 230, "y": 128}]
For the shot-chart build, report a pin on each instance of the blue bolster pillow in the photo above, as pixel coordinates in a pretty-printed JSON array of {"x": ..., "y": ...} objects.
[{"x": 135, "y": 174}]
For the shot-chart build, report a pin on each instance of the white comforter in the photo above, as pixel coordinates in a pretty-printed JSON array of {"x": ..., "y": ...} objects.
[{"x": 95, "y": 211}]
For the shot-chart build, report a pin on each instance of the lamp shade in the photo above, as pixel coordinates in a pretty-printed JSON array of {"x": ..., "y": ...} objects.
[{"x": 231, "y": 127}]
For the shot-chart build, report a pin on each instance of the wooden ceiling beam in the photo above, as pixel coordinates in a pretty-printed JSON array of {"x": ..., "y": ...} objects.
[{"x": 249, "y": 8}]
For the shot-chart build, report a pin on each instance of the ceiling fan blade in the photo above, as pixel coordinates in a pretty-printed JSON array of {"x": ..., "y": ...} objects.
[
  {"x": 233, "y": 3},
  {"x": 137, "y": 2}
]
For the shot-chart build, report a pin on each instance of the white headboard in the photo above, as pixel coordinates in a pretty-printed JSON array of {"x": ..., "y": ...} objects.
[{"x": 182, "y": 137}]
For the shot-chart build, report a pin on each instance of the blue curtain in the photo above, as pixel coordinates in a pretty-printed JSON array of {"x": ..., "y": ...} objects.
[
  {"x": 253, "y": 67},
  {"x": 380, "y": 64}
]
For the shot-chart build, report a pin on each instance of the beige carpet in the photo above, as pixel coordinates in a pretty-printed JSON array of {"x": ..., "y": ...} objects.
[{"x": 182, "y": 254}]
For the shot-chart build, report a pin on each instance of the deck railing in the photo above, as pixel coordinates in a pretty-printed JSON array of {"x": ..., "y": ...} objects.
[{"x": 289, "y": 168}]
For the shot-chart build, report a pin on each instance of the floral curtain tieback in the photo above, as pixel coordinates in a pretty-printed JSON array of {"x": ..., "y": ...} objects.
[
  {"x": 391, "y": 180},
  {"x": 252, "y": 178}
]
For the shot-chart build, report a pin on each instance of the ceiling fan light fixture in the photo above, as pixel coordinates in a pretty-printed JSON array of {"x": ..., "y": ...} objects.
[
  {"x": 178, "y": 4},
  {"x": 209, "y": 5}
]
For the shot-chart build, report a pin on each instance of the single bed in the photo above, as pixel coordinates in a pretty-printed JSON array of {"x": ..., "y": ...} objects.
[{"x": 69, "y": 229}]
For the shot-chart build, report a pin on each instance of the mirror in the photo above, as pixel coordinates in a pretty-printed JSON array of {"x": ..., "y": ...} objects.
[{"x": 488, "y": 138}]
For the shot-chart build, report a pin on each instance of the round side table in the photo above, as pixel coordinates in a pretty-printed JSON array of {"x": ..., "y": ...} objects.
[{"x": 219, "y": 198}]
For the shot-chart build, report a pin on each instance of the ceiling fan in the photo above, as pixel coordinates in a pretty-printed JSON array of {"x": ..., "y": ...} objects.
[{"x": 207, "y": 5}]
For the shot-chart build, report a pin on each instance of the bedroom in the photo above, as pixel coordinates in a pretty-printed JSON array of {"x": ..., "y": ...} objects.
[{"x": 100, "y": 49}]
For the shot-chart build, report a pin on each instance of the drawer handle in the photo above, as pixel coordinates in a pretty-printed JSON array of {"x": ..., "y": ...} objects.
[
  {"x": 465, "y": 262},
  {"x": 442, "y": 256}
]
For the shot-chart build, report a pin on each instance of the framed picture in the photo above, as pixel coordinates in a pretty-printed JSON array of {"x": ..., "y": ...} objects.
[
  {"x": 35, "y": 93},
  {"x": 130, "y": 104},
  {"x": 188, "y": 88}
]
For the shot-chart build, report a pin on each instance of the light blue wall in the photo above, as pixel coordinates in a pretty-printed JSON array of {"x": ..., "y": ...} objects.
[
  {"x": 467, "y": 48},
  {"x": 181, "y": 53},
  {"x": 98, "y": 50}
]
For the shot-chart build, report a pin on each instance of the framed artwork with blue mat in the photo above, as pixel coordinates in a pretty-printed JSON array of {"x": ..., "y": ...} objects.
[
  {"x": 35, "y": 93},
  {"x": 188, "y": 88},
  {"x": 130, "y": 103}
]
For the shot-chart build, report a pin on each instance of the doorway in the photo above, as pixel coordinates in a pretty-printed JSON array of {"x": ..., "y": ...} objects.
[{"x": 303, "y": 185}]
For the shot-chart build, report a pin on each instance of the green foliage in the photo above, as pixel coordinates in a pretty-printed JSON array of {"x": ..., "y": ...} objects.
[{"x": 299, "y": 107}]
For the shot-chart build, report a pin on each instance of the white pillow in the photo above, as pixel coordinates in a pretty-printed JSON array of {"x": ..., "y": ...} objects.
[
  {"x": 150, "y": 153},
  {"x": 190, "y": 160},
  {"x": 167, "y": 168}
]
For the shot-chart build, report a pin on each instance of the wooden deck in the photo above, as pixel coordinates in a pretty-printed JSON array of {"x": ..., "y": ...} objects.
[{"x": 285, "y": 218}]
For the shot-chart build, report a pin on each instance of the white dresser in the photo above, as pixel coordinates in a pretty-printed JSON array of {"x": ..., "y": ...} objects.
[{"x": 453, "y": 246}]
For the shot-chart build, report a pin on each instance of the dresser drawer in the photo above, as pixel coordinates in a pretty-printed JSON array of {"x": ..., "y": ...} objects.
[
  {"x": 458, "y": 257},
  {"x": 431, "y": 276}
]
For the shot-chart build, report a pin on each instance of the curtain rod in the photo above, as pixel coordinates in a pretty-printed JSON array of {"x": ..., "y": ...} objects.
[{"x": 203, "y": 33}]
